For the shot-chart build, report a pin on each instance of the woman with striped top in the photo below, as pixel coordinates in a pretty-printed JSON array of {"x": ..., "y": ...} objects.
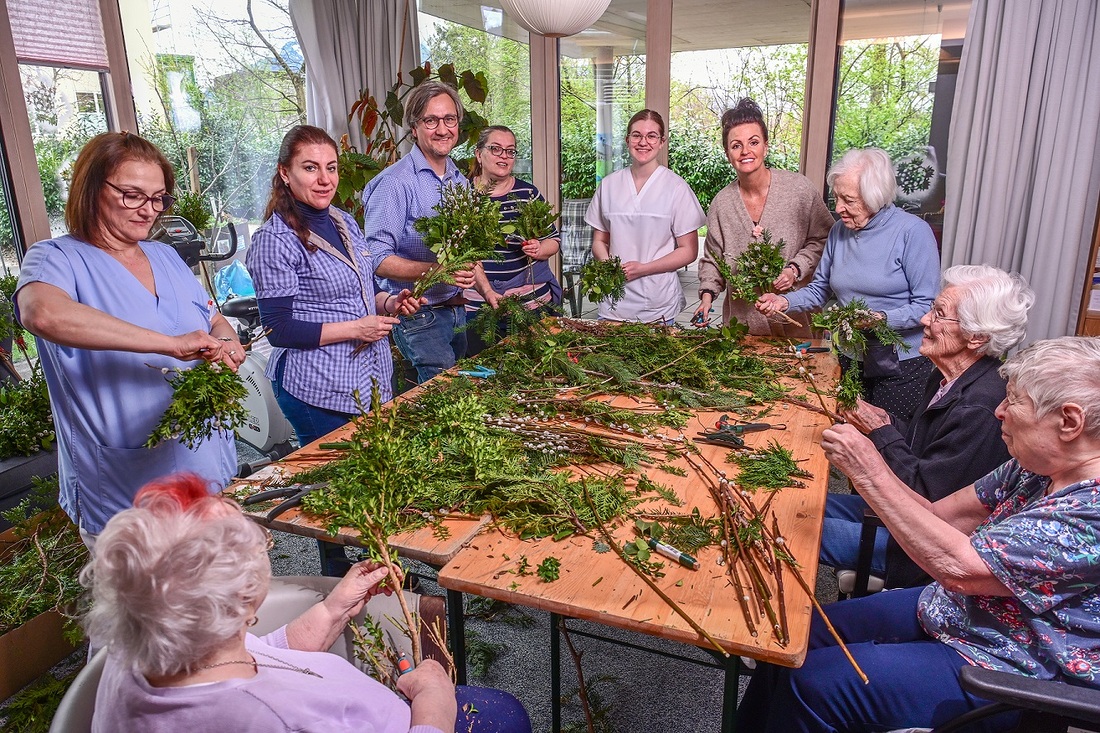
[{"x": 522, "y": 271}]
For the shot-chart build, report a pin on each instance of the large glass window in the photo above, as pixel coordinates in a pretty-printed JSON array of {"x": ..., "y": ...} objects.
[
  {"x": 216, "y": 86},
  {"x": 895, "y": 86},
  {"x": 602, "y": 86},
  {"x": 9, "y": 239},
  {"x": 60, "y": 125},
  {"x": 721, "y": 54},
  {"x": 478, "y": 37}
]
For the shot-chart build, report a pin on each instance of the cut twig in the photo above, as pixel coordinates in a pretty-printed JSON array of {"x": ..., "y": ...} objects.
[{"x": 582, "y": 690}]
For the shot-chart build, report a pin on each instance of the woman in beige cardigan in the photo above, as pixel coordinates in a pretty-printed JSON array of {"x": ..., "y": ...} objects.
[{"x": 761, "y": 198}]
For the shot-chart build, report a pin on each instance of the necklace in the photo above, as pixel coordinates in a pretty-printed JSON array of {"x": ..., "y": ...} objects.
[{"x": 281, "y": 665}]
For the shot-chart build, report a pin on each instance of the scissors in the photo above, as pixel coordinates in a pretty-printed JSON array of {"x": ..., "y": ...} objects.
[
  {"x": 293, "y": 497},
  {"x": 701, "y": 319},
  {"x": 478, "y": 372},
  {"x": 806, "y": 348},
  {"x": 404, "y": 664},
  {"x": 724, "y": 424}
]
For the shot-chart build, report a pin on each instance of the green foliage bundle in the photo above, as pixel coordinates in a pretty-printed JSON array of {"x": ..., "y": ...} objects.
[
  {"x": 850, "y": 387},
  {"x": 509, "y": 318},
  {"x": 850, "y": 325},
  {"x": 33, "y": 708},
  {"x": 205, "y": 398},
  {"x": 772, "y": 468},
  {"x": 603, "y": 280},
  {"x": 25, "y": 417},
  {"x": 757, "y": 267},
  {"x": 41, "y": 571},
  {"x": 535, "y": 219},
  {"x": 466, "y": 229},
  {"x": 195, "y": 208}
]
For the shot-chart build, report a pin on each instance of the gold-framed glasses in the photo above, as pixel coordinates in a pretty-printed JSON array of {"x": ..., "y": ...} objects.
[
  {"x": 937, "y": 315},
  {"x": 650, "y": 137}
]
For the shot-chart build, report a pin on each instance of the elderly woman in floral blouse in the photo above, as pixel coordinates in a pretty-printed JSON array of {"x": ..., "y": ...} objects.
[{"x": 1015, "y": 558}]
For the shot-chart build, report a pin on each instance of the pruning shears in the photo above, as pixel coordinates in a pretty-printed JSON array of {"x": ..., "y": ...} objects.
[
  {"x": 404, "y": 664},
  {"x": 724, "y": 424},
  {"x": 478, "y": 372},
  {"x": 700, "y": 319},
  {"x": 293, "y": 493},
  {"x": 806, "y": 347}
]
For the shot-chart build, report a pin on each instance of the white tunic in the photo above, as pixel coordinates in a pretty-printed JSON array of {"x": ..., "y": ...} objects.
[{"x": 643, "y": 227}]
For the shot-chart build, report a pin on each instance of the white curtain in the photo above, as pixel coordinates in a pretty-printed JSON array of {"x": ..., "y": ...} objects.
[
  {"x": 349, "y": 45},
  {"x": 1023, "y": 175}
]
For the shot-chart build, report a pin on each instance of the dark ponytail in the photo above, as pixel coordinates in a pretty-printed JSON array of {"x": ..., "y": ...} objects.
[{"x": 281, "y": 201}]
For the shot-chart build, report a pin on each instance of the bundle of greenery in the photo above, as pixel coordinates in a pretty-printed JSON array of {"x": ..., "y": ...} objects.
[{"x": 465, "y": 230}]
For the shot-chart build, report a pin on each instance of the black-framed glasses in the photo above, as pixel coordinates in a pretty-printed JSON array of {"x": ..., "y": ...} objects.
[
  {"x": 937, "y": 315},
  {"x": 431, "y": 121},
  {"x": 651, "y": 137},
  {"x": 501, "y": 152},
  {"x": 137, "y": 199}
]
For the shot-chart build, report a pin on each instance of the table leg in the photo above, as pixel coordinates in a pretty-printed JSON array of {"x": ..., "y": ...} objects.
[
  {"x": 555, "y": 674},
  {"x": 456, "y": 631},
  {"x": 729, "y": 693}
]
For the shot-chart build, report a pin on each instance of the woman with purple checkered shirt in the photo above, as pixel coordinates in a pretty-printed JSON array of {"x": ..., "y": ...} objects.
[{"x": 316, "y": 294}]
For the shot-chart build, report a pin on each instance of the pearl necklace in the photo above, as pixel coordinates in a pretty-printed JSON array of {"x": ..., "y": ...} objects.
[{"x": 281, "y": 665}]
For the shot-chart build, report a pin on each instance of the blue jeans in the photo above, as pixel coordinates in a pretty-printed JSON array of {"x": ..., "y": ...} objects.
[
  {"x": 309, "y": 422},
  {"x": 431, "y": 339},
  {"x": 840, "y": 534},
  {"x": 914, "y": 679}
]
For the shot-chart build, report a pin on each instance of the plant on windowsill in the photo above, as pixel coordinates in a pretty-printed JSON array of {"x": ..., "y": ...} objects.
[
  {"x": 26, "y": 422},
  {"x": 381, "y": 125}
]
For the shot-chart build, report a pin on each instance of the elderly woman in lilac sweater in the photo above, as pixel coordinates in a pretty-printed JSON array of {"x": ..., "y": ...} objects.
[
  {"x": 176, "y": 583},
  {"x": 885, "y": 256}
]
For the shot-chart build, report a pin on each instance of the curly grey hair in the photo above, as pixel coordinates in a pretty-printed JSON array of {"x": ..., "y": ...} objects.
[
  {"x": 1060, "y": 370},
  {"x": 992, "y": 303},
  {"x": 420, "y": 96},
  {"x": 878, "y": 186},
  {"x": 171, "y": 585}
]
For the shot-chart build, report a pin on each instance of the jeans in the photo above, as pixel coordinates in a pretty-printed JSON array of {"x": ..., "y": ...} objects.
[
  {"x": 840, "y": 534},
  {"x": 914, "y": 679},
  {"x": 309, "y": 422},
  {"x": 432, "y": 339}
]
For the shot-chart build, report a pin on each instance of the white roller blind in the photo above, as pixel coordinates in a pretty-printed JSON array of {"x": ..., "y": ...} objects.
[{"x": 58, "y": 33}]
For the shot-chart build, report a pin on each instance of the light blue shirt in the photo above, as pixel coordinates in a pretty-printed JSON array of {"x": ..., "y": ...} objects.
[
  {"x": 106, "y": 403},
  {"x": 893, "y": 263},
  {"x": 393, "y": 201}
]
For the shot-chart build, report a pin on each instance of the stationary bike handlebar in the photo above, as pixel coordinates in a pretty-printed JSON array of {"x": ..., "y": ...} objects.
[{"x": 182, "y": 236}]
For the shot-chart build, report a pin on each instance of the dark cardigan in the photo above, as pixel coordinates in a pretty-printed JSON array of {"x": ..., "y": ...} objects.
[{"x": 946, "y": 447}]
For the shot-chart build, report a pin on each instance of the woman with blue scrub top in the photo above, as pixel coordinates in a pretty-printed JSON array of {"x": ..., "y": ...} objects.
[
  {"x": 105, "y": 305},
  {"x": 649, "y": 218}
]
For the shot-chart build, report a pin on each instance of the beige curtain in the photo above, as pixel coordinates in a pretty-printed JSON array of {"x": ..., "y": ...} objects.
[
  {"x": 1023, "y": 178},
  {"x": 349, "y": 45}
]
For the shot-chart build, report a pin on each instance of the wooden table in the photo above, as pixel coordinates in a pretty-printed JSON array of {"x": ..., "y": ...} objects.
[{"x": 599, "y": 588}]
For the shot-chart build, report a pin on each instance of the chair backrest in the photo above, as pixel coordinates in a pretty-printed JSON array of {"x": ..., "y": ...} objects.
[
  {"x": 74, "y": 714},
  {"x": 576, "y": 235}
]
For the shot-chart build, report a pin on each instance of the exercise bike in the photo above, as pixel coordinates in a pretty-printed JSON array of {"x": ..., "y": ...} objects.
[{"x": 266, "y": 428}]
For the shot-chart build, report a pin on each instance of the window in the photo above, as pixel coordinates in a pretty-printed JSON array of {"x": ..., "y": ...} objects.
[
  {"x": 10, "y": 246},
  {"x": 895, "y": 87},
  {"x": 719, "y": 55},
  {"x": 216, "y": 86},
  {"x": 481, "y": 38}
]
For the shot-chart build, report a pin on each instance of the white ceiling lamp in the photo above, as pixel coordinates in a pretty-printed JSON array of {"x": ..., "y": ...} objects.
[{"x": 555, "y": 19}]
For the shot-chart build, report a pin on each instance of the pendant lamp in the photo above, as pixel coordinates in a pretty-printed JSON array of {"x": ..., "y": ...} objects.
[{"x": 555, "y": 18}]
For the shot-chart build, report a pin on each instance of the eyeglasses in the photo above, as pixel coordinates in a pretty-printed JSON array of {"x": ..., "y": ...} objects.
[
  {"x": 431, "y": 121},
  {"x": 136, "y": 199},
  {"x": 501, "y": 152},
  {"x": 651, "y": 137},
  {"x": 937, "y": 315}
]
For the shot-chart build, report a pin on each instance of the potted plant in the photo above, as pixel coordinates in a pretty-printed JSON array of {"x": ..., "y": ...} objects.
[{"x": 26, "y": 421}]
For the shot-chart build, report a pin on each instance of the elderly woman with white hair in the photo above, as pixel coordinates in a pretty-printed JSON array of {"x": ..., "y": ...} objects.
[
  {"x": 885, "y": 256},
  {"x": 1013, "y": 558},
  {"x": 954, "y": 438},
  {"x": 177, "y": 580}
]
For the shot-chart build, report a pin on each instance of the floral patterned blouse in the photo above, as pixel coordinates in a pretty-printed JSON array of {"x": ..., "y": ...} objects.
[{"x": 1046, "y": 550}]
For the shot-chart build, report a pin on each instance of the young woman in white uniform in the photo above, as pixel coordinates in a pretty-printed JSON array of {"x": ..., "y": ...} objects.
[{"x": 648, "y": 217}]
